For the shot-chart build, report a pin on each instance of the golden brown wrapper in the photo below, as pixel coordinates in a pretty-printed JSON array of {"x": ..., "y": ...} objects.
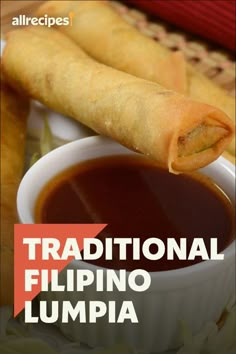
[
  {"x": 179, "y": 133},
  {"x": 14, "y": 111},
  {"x": 104, "y": 35}
]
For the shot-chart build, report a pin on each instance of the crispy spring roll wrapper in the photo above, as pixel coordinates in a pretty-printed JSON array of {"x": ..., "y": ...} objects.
[
  {"x": 14, "y": 111},
  {"x": 179, "y": 133},
  {"x": 92, "y": 20},
  {"x": 104, "y": 35}
]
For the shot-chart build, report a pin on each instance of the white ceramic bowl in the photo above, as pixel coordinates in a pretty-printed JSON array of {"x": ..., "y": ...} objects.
[{"x": 195, "y": 294}]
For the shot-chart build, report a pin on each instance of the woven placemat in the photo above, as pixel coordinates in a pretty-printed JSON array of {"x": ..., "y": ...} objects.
[{"x": 218, "y": 65}]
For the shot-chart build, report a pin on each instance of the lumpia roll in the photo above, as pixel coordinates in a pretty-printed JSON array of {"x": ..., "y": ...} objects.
[
  {"x": 179, "y": 133},
  {"x": 104, "y": 35},
  {"x": 14, "y": 111}
]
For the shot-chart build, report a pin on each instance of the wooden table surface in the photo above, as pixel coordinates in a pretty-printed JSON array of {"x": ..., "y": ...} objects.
[{"x": 10, "y": 9}]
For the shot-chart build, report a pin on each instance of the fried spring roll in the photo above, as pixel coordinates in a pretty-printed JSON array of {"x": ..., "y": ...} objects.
[
  {"x": 14, "y": 111},
  {"x": 92, "y": 20},
  {"x": 179, "y": 133},
  {"x": 104, "y": 35}
]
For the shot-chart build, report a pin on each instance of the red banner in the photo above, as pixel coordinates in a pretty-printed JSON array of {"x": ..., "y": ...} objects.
[{"x": 33, "y": 244}]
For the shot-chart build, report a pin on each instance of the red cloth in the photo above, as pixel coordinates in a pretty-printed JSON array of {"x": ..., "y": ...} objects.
[{"x": 212, "y": 19}]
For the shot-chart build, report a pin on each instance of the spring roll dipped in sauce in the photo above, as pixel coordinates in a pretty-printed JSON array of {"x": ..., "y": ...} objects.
[
  {"x": 14, "y": 111},
  {"x": 179, "y": 133},
  {"x": 104, "y": 35}
]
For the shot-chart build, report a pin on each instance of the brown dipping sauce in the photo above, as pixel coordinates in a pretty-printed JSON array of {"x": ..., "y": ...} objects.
[{"x": 138, "y": 199}]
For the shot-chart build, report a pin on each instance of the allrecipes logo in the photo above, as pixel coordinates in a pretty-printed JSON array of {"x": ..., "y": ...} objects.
[{"x": 23, "y": 20}]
